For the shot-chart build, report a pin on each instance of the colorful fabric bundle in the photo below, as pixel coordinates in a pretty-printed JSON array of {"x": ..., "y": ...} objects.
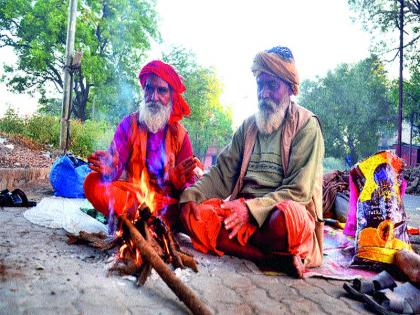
[{"x": 381, "y": 218}]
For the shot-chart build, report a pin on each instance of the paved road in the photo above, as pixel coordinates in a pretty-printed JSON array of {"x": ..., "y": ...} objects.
[
  {"x": 412, "y": 206},
  {"x": 41, "y": 274}
]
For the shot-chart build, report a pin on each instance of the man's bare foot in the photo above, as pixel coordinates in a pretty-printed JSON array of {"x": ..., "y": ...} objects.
[
  {"x": 409, "y": 264},
  {"x": 284, "y": 262},
  {"x": 298, "y": 266}
]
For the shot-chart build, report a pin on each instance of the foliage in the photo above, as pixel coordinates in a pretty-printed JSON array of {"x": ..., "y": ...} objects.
[
  {"x": 49, "y": 106},
  {"x": 113, "y": 36},
  {"x": 381, "y": 19},
  {"x": 331, "y": 163},
  {"x": 44, "y": 129},
  {"x": 209, "y": 123},
  {"x": 90, "y": 136},
  {"x": 11, "y": 122},
  {"x": 411, "y": 99},
  {"x": 353, "y": 104}
]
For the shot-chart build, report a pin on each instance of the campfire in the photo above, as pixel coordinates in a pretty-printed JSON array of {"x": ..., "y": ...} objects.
[
  {"x": 157, "y": 235},
  {"x": 147, "y": 243}
]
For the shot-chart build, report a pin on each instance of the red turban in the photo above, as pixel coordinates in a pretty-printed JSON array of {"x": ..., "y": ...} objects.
[{"x": 166, "y": 72}]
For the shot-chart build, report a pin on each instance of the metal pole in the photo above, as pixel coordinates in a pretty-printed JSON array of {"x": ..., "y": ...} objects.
[
  {"x": 411, "y": 136},
  {"x": 400, "y": 98},
  {"x": 65, "y": 111}
]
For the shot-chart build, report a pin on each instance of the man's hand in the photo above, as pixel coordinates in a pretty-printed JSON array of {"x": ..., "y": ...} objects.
[
  {"x": 187, "y": 209},
  {"x": 102, "y": 162},
  {"x": 181, "y": 173},
  {"x": 238, "y": 217}
]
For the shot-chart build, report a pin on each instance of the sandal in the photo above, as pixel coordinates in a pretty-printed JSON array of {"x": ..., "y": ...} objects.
[
  {"x": 361, "y": 287},
  {"x": 16, "y": 198},
  {"x": 405, "y": 299}
]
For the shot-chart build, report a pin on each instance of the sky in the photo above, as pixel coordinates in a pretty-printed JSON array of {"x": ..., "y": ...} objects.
[{"x": 226, "y": 35}]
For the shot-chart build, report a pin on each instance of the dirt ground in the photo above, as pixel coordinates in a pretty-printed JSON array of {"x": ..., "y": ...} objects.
[
  {"x": 41, "y": 274},
  {"x": 17, "y": 152}
]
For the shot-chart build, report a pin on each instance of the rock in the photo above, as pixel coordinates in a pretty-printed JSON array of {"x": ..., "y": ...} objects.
[{"x": 39, "y": 267}]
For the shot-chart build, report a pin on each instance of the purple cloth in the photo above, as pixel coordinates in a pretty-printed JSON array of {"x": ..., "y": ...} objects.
[{"x": 155, "y": 155}]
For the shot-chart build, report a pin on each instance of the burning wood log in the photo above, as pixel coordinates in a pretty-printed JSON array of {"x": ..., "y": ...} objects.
[
  {"x": 147, "y": 243},
  {"x": 185, "y": 294},
  {"x": 172, "y": 252}
]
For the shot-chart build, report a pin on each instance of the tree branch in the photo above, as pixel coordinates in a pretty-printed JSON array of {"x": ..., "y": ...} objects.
[{"x": 56, "y": 74}]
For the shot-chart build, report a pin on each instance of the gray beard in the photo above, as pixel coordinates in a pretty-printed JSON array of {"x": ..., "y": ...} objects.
[
  {"x": 270, "y": 115},
  {"x": 155, "y": 118}
]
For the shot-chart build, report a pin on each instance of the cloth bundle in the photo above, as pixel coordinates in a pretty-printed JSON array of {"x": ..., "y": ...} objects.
[{"x": 376, "y": 191}]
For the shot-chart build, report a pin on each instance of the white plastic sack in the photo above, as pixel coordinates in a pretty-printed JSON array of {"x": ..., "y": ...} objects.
[{"x": 59, "y": 212}]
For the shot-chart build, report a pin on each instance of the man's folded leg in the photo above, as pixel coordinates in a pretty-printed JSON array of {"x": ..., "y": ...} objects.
[
  {"x": 287, "y": 237},
  {"x": 232, "y": 247},
  {"x": 107, "y": 196}
]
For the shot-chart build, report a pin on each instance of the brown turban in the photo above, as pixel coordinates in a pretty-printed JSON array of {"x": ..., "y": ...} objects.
[{"x": 277, "y": 61}]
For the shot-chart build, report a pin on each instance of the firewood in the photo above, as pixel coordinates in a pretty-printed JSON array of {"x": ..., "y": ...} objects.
[
  {"x": 188, "y": 261},
  {"x": 128, "y": 268},
  {"x": 146, "y": 268},
  {"x": 145, "y": 272},
  {"x": 177, "y": 260},
  {"x": 185, "y": 294},
  {"x": 98, "y": 240}
]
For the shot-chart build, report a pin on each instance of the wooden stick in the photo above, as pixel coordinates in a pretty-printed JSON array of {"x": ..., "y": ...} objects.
[
  {"x": 146, "y": 268},
  {"x": 98, "y": 240},
  {"x": 184, "y": 293}
]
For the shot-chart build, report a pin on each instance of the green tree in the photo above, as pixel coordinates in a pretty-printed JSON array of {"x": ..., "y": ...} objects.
[
  {"x": 113, "y": 36},
  {"x": 353, "y": 104},
  {"x": 210, "y": 123},
  {"x": 411, "y": 108},
  {"x": 381, "y": 19}
]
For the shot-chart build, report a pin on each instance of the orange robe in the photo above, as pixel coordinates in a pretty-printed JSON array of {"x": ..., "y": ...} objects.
[{"x": 130, "y": 146}]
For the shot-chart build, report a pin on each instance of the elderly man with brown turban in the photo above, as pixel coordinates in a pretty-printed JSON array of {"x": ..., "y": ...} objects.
[
  {"x": 262, "y": 200},
  {"x": 151, "y": 147}
]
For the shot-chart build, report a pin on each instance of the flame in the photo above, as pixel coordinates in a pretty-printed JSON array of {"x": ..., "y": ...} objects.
[
  {"x": 139, "y": 260},
  {"x": 165, "y": 243},
  {"x": 122, "y": 250},
  {"x": 145, "y": 193}
]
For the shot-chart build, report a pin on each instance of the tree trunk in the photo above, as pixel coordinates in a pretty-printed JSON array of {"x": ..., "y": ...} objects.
[
  {"x": 82, "y": 93},
  {"x": 400, "y": 82},
  {"x": 353, "y": 153}
]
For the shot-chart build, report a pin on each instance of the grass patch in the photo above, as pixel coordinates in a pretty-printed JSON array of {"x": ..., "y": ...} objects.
[{"x": 45, "y": 130}]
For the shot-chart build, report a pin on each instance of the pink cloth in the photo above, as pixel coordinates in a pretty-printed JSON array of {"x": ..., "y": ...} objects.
[{"x": 351, "y": 224}]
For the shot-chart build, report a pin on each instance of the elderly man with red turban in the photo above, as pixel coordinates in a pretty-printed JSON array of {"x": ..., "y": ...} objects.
[
  {"x": 151, "y": 147},
  {"x": 271, "y": 173}
]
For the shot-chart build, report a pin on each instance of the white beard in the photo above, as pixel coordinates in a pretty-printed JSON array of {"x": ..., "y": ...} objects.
[
  {"x": 155, "y": 117},
  {"x": 269, "y": 117}
]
